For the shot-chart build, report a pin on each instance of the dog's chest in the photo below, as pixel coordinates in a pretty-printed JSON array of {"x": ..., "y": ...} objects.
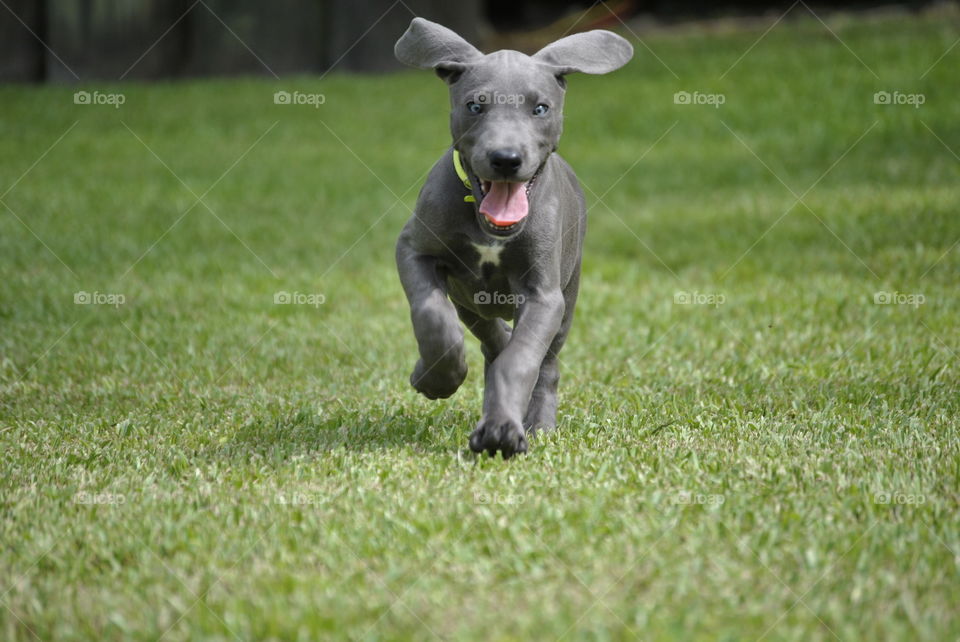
[
  {"x": 488, "y": 254},
  {"x": 479, "y": 280},
  {"x": 490, "y": 264}
]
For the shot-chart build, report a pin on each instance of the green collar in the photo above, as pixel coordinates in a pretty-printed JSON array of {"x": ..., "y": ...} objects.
[{"x": 462, "y": 175}]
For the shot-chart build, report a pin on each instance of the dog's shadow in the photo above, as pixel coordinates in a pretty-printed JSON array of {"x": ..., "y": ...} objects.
[{"x": 280, "y": 436}]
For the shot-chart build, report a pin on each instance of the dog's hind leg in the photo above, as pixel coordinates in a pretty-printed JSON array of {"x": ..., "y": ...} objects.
[{"x": 494, "y": 334}]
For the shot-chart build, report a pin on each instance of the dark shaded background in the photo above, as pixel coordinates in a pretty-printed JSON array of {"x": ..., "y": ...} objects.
[{"x": 154, "y": 39}]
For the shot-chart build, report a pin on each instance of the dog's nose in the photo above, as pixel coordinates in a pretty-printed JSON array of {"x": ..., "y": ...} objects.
[{"x": 506, "y": 161}]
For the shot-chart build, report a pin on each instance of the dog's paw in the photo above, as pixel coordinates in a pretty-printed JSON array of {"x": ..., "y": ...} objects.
[
  {"x": 493, "y": 434},
  {"x": 436, "y": 384}
]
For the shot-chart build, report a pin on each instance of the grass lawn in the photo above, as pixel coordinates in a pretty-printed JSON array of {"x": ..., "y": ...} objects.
[{"x": 777, "y": 458}]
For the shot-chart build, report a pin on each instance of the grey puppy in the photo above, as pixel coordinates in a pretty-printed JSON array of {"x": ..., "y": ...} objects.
[{"x": 498, "y": 228}]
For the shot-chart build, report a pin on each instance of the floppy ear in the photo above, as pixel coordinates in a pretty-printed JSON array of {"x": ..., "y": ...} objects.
[
  {"x": 591, "y": 52},
  {"x": 428, "y": 45}
]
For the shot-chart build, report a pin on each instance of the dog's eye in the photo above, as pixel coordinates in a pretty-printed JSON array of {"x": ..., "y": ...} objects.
[
  {"x": 540, "y": 109},
  {"x": 474, "y": 108}
]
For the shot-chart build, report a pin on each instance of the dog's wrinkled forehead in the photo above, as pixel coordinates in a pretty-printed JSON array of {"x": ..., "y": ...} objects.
[{"x": 503, "y": 76}]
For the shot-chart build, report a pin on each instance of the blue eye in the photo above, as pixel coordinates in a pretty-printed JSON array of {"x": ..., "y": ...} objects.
[
  {"x": 540, "y": 109},
  {"x": 474, "y": 108}
]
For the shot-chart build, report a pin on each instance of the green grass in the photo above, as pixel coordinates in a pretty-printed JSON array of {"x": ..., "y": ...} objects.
[{"x": 201, "y": 463}]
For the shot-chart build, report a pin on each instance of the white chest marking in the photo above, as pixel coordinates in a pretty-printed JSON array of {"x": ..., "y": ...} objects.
[{"x": 488, "y": 253}]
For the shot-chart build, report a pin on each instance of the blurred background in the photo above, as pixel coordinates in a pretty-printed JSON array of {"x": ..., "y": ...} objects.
[{"x": 59, "y": 41}]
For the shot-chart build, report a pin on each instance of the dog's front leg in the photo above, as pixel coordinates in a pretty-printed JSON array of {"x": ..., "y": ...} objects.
[
  {"x": 442, "y": 366},
  {"x": 510, "y": 379}
]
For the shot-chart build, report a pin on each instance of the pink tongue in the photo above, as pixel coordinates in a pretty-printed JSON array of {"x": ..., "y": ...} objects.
[{"x": 505, "y": 203}]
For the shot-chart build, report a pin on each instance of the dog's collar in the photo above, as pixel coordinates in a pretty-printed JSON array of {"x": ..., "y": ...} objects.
[{"x": 462, "y": 175}]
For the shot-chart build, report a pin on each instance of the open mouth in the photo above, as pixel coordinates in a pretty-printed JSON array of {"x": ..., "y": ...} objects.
[{"x": 504, "y": 204}]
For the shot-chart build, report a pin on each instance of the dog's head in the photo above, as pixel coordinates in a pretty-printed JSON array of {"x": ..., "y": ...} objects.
[{"x": 506, "y": 108}]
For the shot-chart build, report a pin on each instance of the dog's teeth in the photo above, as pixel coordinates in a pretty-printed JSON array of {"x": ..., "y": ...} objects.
[{"x": 499, "y": 228}]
